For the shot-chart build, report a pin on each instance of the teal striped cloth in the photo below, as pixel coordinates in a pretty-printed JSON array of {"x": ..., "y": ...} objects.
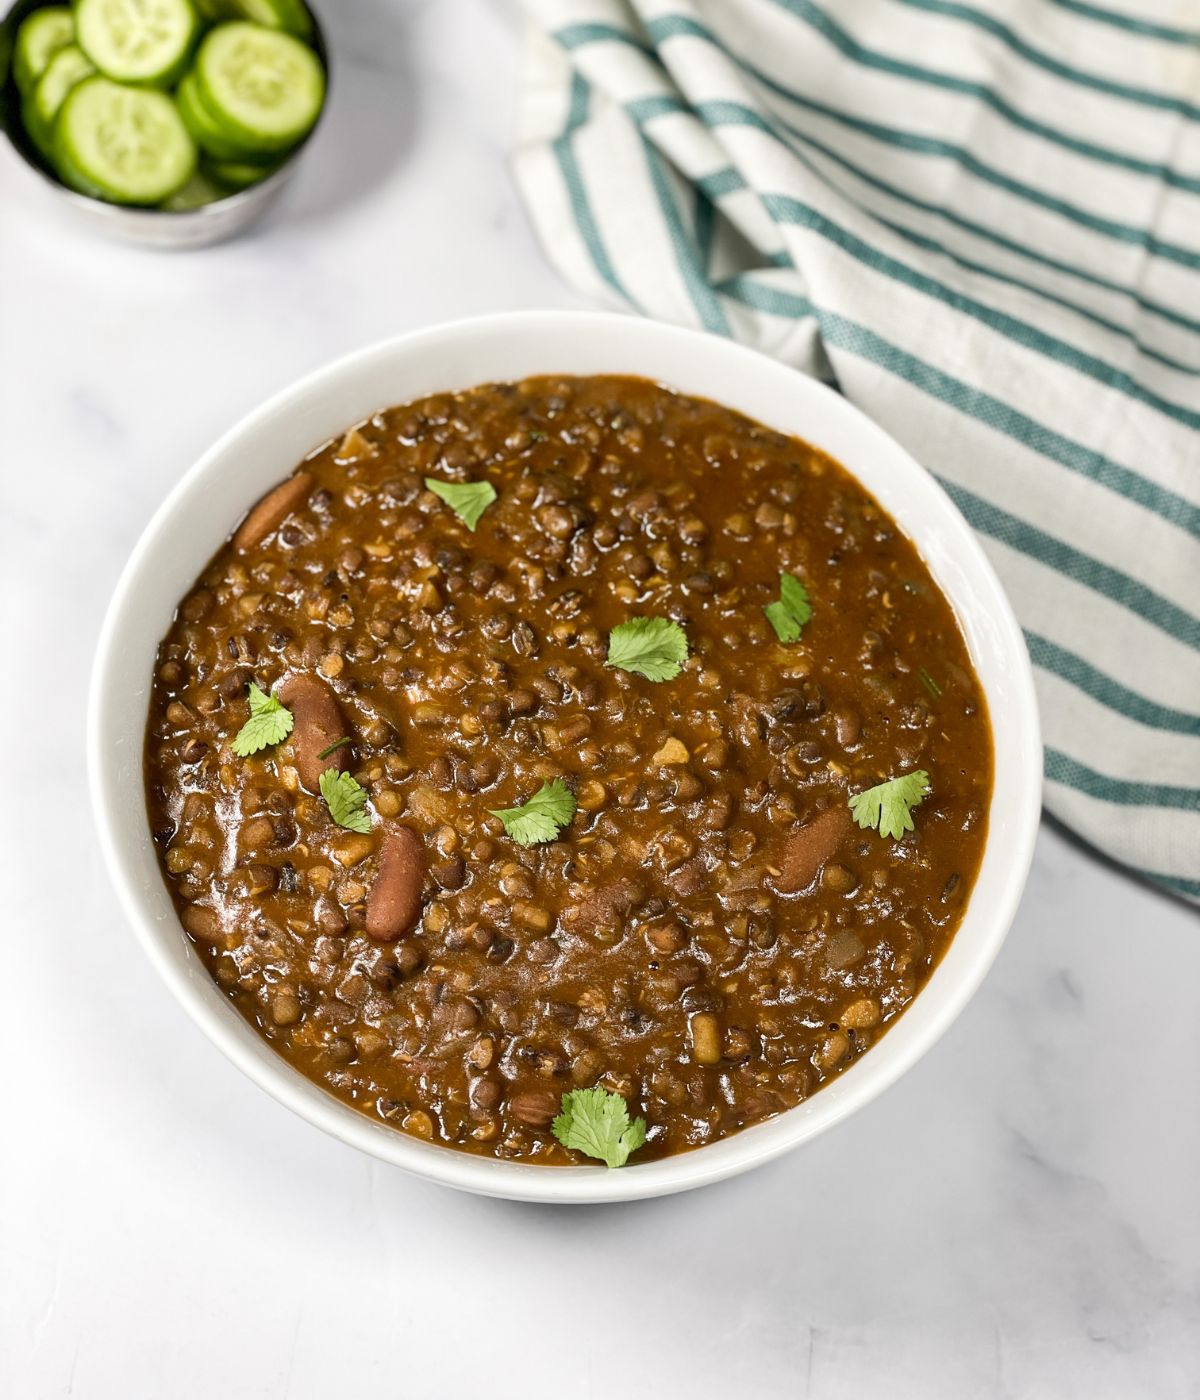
[{"x": 981, "y": 222}]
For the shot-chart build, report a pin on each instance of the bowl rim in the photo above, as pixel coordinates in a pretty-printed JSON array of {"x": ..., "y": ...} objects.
[{"x": 957, "y": 975}]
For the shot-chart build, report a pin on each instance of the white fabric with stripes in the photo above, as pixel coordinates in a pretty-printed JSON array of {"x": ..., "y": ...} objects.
[{"x": 979, "y": 219}]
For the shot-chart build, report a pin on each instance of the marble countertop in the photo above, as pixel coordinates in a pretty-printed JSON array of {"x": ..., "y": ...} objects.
[{"x": 1017, "y": 1218}]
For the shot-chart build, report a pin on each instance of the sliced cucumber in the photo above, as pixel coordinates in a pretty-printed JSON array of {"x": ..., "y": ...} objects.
[
  {"x": 198, "y": 191},
  {"x": 291, "y": 15},
  {"x": 74, "y": 178},
  {"x": 38, "y": 40},
  {"x": 239, "y": 175},
  {"x": 137, "y": 41},
  {"x": 206, "y": 132},
  {"x": 68, "y": 67},
  {"x": 126, "y": 145},
  {"x": 264, "y": 87}
]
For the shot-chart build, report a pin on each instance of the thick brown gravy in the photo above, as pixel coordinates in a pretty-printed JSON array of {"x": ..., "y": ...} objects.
[{"x": 710, "y": 936}]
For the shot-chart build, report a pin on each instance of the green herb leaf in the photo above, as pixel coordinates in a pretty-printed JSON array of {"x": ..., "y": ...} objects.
[
  {"x": 346, "y": 800},
  {"x": 597, "y": 1123},
  {"x": 333, "y": 748},
  {"x": 792, "y": 611},
  {"x": 654, "y": 647},
  {"x": 888, "y": 806},
  {"x": 467, "y": 499},
  {"x": 929, "y": 683},
  {"x": 542, "y": 817},
  {"x": 270, "y": 723}
]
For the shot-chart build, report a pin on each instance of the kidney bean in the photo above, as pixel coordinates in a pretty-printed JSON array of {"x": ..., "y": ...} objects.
[
  {"x": 271, "y": 510},
  {"x": 806, "y": 849},
  {"x": 394, "y": 902},
  {"x": 536, "y": 1108},
  {"x": 319, "y": 724}
]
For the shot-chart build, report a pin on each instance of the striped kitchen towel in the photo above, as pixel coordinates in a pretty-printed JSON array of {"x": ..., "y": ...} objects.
[{"x": 980, "y": 220}]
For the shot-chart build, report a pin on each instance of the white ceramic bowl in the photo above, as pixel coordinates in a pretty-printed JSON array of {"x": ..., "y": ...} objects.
[{"x": 203, "y": 508}]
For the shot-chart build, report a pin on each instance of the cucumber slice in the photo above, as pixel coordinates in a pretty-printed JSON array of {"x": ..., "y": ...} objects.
[
  {"x": 74, "y": 178},
  {"x": 198, "y": 191},
  {"x": 239, "y": 175},
  {"x": 291, "y": 15},
  {"x": 38, "y": 40},
  {"x": 68, "y": 67},
  {"x": 206, "y": 132},
  {"x": 137, "y": 41},
  {"x": 128, "y": 145},
  {"x": 263, "y": 86}
]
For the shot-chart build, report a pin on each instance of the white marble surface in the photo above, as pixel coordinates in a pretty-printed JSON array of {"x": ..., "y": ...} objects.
[{"x": 1018, "y": 1218}]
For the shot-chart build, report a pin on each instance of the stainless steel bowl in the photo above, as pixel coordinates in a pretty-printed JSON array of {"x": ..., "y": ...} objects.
[{"x": 153, "y": 228}]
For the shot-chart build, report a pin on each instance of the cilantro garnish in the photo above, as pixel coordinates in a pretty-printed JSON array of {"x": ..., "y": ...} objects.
[
  {"x": 654, "y": 647},
  {"x": 333, "y": 748},
  {"x": 542, "y": 817},
  {"x": 467, "y": 499},
  {"x": 888, "y": 806},
  {"x": 597, "y": 1123},
  {"x": 793, "y": 609},
  {"x": 346, "y": 800},
  {"x": 270, "y": 723}
]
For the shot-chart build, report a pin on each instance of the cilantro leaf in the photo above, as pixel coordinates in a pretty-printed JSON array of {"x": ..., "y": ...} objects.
[
  {"x": 654, "y": 647},
  {"x": 346, "y": 800},
  {"x": 467, "y": 499},
  {"x": 542, "y": 817},
  {"x": 888, "y": 806},
  {"x": 270, "y": 723},
  {"x": 792, "y": 611},
  {"x": 597, "y": 1123}
]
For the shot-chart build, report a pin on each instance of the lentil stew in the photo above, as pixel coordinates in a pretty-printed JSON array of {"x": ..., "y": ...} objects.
[{"x": 457, "y": 848}]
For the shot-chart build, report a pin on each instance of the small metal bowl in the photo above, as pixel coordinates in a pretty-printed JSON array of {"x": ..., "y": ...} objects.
[{"x": 152, "y": 228}]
